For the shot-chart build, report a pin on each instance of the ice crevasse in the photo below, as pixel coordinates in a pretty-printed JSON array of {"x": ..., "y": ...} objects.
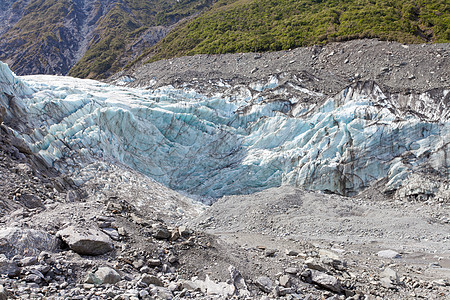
[{"x": 219, "y": 145}]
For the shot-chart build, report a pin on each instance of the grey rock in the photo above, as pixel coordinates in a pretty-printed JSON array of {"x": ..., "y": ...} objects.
[
  {"x": 33, "y": 278},
  {"x": 441, "y": 282},
  {"x": 3, "y": 293},
  {"x": 388, "y": 254},
  {"x": 285, "y": 291},
  {"x": 264, "y": 283},
  {"x": 145, "y": 269},
  {"x": 162, "y": 233},
  {"x": 184, "y": 232},
  {"x": 291, "y": 253},
  {"x": 174, "y": 235},
  {"x": 154, "y": 262},
  {"x": 107, "y": 275},
  {"x": 31, "y": 201},
  {"x": 285, "y": 281},
  {"x": 8, "y": 267},
  {"x": 314, "y": 265},
  {"x": 29, "y": 261},
  {"x": 112, "y": 233},
  {"x": 150, "y": 279},
  {"x": 86, "y": 241},
  {"x": 143, "y": 294},
  {"x": 389, "y": 278},
  {"x": 291, "y": 270},
  {"x": 122, "y": 231},
  {"x": 26, "y": 242},
  {"x": 326, "y": 281},
  {"x": 163, "y": 293},
  {"x": 238, "y": 282},
  {"x": 190, "y": 285},
  {"x": 138, "y": 263},
  {"x": 270, "y": 252},
  {"x": 211, "y": 288}
]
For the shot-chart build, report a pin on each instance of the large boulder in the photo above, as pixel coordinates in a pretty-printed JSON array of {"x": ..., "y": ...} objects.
[
  {"x": 86, "y": 241},
  {"x": 26, "y": 242}
]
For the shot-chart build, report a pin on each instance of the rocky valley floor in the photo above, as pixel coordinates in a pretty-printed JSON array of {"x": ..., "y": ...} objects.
[{"x": 124, "y": 236}]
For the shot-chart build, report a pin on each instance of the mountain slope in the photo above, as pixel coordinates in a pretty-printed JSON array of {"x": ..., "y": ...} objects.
[
  {"x": 267, "y": 25},
  {"x": 49, "y": 36}
]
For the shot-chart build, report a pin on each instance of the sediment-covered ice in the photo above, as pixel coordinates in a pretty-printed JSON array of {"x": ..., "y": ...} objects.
[{"x": 236, "y": 142}]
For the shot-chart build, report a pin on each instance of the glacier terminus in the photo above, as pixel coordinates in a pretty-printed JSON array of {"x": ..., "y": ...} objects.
[{"x": 234, "y": 142}]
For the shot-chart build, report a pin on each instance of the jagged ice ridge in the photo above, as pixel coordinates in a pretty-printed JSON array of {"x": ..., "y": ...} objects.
[{"x": 236, "y": 143}]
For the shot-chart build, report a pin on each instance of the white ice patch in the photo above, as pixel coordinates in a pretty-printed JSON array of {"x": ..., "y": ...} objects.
[{"x": 224, "y": 144}]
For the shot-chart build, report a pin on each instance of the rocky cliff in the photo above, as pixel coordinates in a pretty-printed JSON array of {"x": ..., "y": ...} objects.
[{"x": 51, "y": 37}]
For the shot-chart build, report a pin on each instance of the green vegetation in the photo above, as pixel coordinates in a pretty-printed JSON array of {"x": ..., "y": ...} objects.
[
  {"x": 123, "y": 24},
  {"x": 271, "y": 25},
  {"x": 38, "y": 28},
  {"x": 214, "y": 26}
]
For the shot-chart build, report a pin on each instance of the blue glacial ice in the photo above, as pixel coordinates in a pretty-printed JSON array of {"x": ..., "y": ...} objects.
[{"x": 233, "y": 144}]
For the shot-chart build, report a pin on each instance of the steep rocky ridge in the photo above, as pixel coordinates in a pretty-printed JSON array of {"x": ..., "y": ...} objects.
[{"x": 51, "y": 37}]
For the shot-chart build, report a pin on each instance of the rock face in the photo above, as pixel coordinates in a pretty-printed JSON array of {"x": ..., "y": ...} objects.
[
  {"x": 67, "y": 30},
  {"x": 26, "y": 242},
  {"x": 86, "y": 241}
]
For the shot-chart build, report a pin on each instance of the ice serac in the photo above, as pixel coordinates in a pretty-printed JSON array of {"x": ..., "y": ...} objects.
[{"x": 245, "y": 138}]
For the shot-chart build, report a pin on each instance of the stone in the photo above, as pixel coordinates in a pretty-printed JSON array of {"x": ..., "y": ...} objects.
[
  {"x": 389, "y": 254},
  {"x": 161, "y": 233},
  {"x": 3, "y": 293},
  {"x": 285, "y": 291},
  {"x": 26, "y": 242},
  {"x": 33, "y": 278},
  {"x": 441, "y": 282},
  {"x": 291, "y": 253},
  {"x": 264, "y": 283},
  {"x": 189, "y": 285},
  {"x": 314, "y": 265},
  {"x": 163, "y": 293},
  {"x": 285, "y": 281},
  {"x": 291, "y": 270},
  {"x": 391, "y": 274},
  {"x": 174, "y": 235},
  {"x": 8, "y": 267},
  {"x": 107, "y": 275},
  {"x": 150, "y": 279},
  {"x": 31, "y": 201},
  {"x": 326, "y": 281},
  {"x": 86, "y": 241},
  {"x": 143, "y": 294},
  {"x": 154, "y": 262},
  {"x": 122, "y": 231},
  {"x": 238, "y": 281},
  {"x": 389, "y": 278},
  {"x": 28, "y": 261},
  {"x": 112, "y": 233},
  {"x": 329, "y": 254},
  {"x": 138, "y": 263},
  {"x": 211, "y": 288},
  {"x": 270, "y": 252}
]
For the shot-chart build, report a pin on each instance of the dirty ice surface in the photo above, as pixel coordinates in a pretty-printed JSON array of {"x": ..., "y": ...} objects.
[{"x": 237, "y": 144}]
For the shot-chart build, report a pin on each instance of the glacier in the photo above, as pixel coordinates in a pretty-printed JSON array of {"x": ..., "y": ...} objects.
[{"x": 237, "y": 141}]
